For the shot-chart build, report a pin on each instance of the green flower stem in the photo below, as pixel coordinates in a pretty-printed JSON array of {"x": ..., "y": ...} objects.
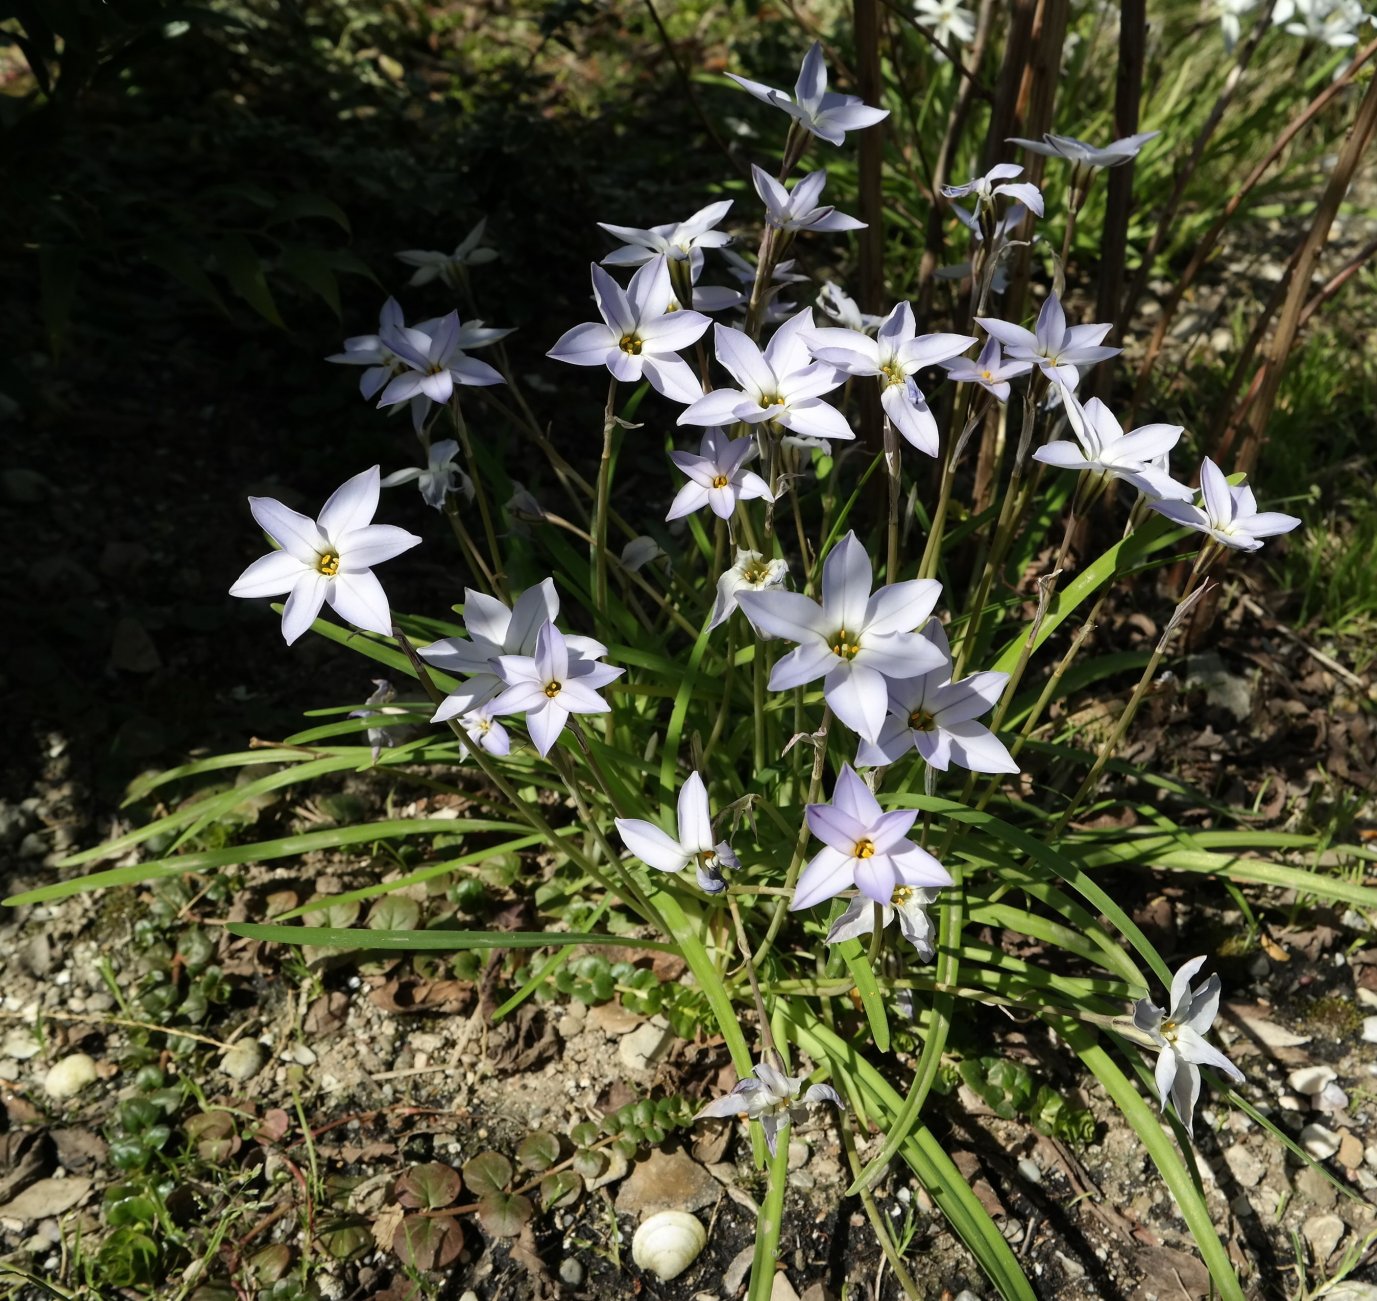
[
  {"x": 770, "y": 1221},
  {"x": 481, "y": 493},
  {"x": 467, "y": 544},
  {"x": 1111, "y": 742},
  {"x": 894, "y": 468},
  {"x": 801, "y": 845},
  {"x": 767, "y": 1041},
  {"x": 758, "y": 704},
  {"x": 599, "y": 544},
  {"x": 872, "y": 1212}
]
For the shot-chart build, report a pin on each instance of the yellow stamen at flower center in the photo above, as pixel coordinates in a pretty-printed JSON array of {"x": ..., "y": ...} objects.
[
  {"x": 720, "y": 481},
  {"x": 485, "y": 725},
  {"x": 902, "y": 894},
  {"x": 987, "y": 375},
  {"x": 327, "y": 563},
  {"x": 1169, "y": 1030},
  {"x": 864, "y": 848},
  {"x": 707, "y": 857},
  {"x": 921, "y": 721},
  {"x": 755, "y": 575},
  {"x": 768, "y": 400},
  {"x": 892, "y": 373},
  {"x": 630, "y": 343},
  {"x": 845, "y": 645},
  {"x": 552, "y": 689}
]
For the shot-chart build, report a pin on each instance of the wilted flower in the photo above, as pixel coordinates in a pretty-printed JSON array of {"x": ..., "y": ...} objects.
[
  {"x": 694, "y": 843},
  {"x": 1103, "y": 449},
  {"x": 936, "y": 716},
  {"x": 798, "y": 209},
  {"x": 1057, "y": 351},
  {"x": 1084, "y": 156},
  {"x": 856, "y": 640},
  {"x": 782, "y": 384},
  {"x": 989, "y": 370},
  {"x": 326, "y": 560},
  {"x": 675, "y": 240},
  {"x": 639, "y": 336},
  {"x": 440, "y": 477},
  {"x": 772, "y": 1098},
  {"x": 864, "y": 848},
  {"x": 909, "y": 904},
  {"x": 434, "y": 360},
  {"x": 471, "y": 252},
  {"x": 998, "y": 180},
  {"x": 842, "y": 308},
  {"x": 550, "y": 685},
  {"x": 894, "y": 356},
  {"x": 496, "y": 630},
  {"x": 383, "y": 694},
  {"x": 717, "y": 477},
  {"x": 1229, "y": 515},
  {"x": 1179, "y": 1034},
  {"x": 750, "y": 573},
  {"x": 821, "y": 112}
]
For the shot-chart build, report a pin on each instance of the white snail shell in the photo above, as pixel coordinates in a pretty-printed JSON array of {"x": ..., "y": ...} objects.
[{"x": 667, "y": 1243}]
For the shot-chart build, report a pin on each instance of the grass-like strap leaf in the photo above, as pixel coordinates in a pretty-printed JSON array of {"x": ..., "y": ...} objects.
[{"x": 435, "y": 941}]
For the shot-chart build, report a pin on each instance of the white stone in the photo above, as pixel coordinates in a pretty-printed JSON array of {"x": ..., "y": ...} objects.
[
  {"x": 1030, "y": 1170},
  {"x": 1320, "y": 1142},
  {"x": 1370, "y": 1029},
  {"x": 645, "y": 1045},
  {"x": 21, "y": 1044},
  {"x": 1245, "y": 1165},
  {"x": 244, "y": 1059},
  {"x": 1323, "y": 1233},
  {"x": 1310, "y": 1080},
  {"x": 67, "y": 1078},
  {"x": 1367, "y": 997}
]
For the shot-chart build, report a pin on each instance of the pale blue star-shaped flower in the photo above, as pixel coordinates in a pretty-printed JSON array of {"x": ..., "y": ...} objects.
[
  {"x": 821, "y": 112},
  {"x": 717, "y": 476},
  {"x": 798, "y": 209},
  {"x": 440, "y": 477},
  {"x": 1227, "y": 514},
  {"x": 693, "y": 843},
  {"x": 772, "y": 1098},
  {"x": 1059, "y": 351}
]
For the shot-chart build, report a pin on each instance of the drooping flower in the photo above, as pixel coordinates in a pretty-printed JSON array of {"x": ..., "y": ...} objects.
[
  {"x": 693, "y": 843},
  {"x": 836, "y": 303},
  {"x": 328, "y": 560},
  {"x": 1084, "y": 156},
  {"x": 821, "y": 112},
  {"x": 997, "y": 181},
  {"x": 439, "y": 479},
  {"x": 1103, "y": 449},
  {"x": 382, "y": 696},
  {"x": 496, "y": 630},
  {"x": 550, "y": 685},
  {"x": 675, "y": 240},
  {"x": 798, "y": 209},
  {"x": 639, "y": 336},
  {"x": 936, "y": 716},
  {"x": 448, "y": 267},
  {"x": 783, "y": 383},
  {"x": 1058, "y": 351},
  {"x": 909, "y": 904},
  {"x": 1229, "y": 515},
  {"x": 772, "y": 1098},
  {"x": 894, "y": 356},
  {"x": 434, "y": 360},
  {"x": 717, "y": 476},
  {"x": 1180, "y": 1036},
  {"x": 989, "y": 370},
  {"x": 948, "y": 21},
  {"x": 853, "y": 640},
  {"x": 863, "y": 848},
  {"x": 750, "y": 573}
]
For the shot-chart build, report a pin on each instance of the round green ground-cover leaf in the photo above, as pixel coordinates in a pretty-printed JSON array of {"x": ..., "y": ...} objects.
[
  {"x": 488, "y": 1172},
  {"x": 538, "y": 1151},
  {"x": 428, "y": 1241},
  {"x": 429, "y": 1187},
  {"x": 504, "y": 1215},
  {"x": 562, "y": 1188}
]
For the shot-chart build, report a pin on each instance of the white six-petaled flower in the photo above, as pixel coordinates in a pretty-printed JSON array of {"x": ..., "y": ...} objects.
[
  {"x": 772, "y": 1098},
  {"x": 550, "y": 685},
  {"x": 496, "y": 630},
  {"x": 821, "y": 112},
  {"x": 783, "y": 383},
  {"x": 675, "y": 240},
  {"x": 327, "y": 560},
  {"x": 1229, "y": 515},
  {"x": 936, "y": 716},
  {"x": 693, "y": 844},
  {"x": 433, "y": 359},
  {"x": 1103, "y": 449},
  {"x": 1086, "y": 156},
  {"x": 439, "y": 479},
  {"x": 989, "y": 370},
  {"x": 864, "y": 848},
  {"x": 750, "y": 573},
  {"x": 853, "y": 640},
  {"x": 909, "y": 904},
  {"x": 1179, "y": 1034},
  {"x": 639, "y": 335},
  {"x": 717, "y": 476},
  {"x": 448, "y": 267},
  {"x": 997, "y": 181},
  {"x": 799, "y": 209},
  {"x": 1058, "y": 351},
  {"x": 894, "y": 356}
]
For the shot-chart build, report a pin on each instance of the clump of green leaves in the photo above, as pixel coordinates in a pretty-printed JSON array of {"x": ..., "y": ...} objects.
[{"x": 1010, "y": 1090}]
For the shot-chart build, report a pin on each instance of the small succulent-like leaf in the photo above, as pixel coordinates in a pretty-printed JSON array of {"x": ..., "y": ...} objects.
[
  {"x": 394, "y": 912},
  {"x": 504, "y": 1215},
  {"x": 584, "y": 1134},
  {"x": 589, "y": 1164},
  {"x": 347, "y": 1240},
  {"x": 428, "y": 1187},
  {"x": 538, "y": 1151},
  {"x": 562, "y": 1188},
  {"x": 488, "y": 1172},
  {"x": 270, "y": 1263},
  {"x": 321, "y": 912},
  {"x": 428, "y": 1241}
]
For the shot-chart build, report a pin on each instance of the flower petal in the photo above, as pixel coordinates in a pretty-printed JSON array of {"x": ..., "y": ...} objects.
[
  {"x": 351, "y": 506},
  {"x": 358, "y": 598},
  {"x": 652, "y": 846},
  {"x": 292, "y": 531},
  {"x": 272, "y": 575}
]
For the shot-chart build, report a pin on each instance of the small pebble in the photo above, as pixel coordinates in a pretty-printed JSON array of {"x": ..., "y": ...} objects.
[
  {"x": 1310, "y": 1080},
  {"x": 21, "y": 1044},
  {"x": 244, "y": 1059},
  {"x": 1370, "y": 1029},
  {"x": 1323, "y": 1233},
  {"x": 1320, "y": 1142},
  {"x": 67, "y": 1078},
  {"x": 1030, "y": 1170},
  {"x": 571, "y": 1272}
]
